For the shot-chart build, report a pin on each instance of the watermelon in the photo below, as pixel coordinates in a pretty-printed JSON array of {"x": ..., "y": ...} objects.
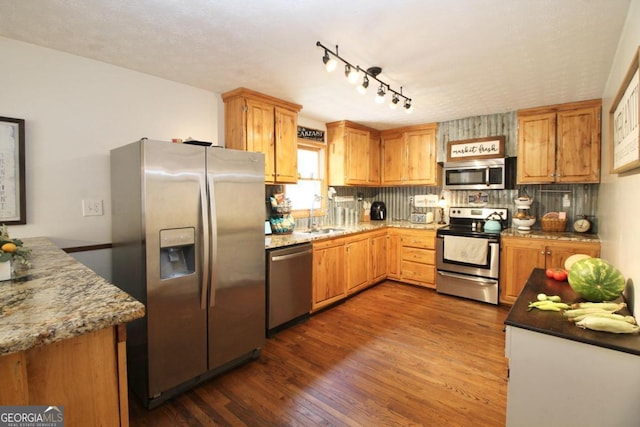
[{"x": 594, "y": 279}]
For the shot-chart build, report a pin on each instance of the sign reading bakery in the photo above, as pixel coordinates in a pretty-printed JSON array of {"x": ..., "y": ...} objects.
[{"x": 478, "y": 148}]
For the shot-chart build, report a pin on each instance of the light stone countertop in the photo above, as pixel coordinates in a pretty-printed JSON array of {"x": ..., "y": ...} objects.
[
  {"x": 58, "y": 298},
  {"x": 281, "y": 240}
]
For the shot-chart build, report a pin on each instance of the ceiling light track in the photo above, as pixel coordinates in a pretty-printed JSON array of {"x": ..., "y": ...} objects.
[{"x": 330, "y": 60}]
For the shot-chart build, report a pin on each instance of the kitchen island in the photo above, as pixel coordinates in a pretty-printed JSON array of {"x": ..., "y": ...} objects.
[
  {"x": 560, "y": 374},
  {"x": 62, "y": 339}
]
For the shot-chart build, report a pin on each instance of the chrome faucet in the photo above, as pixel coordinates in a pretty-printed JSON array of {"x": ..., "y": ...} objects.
[{"x": 313, "y": 226}]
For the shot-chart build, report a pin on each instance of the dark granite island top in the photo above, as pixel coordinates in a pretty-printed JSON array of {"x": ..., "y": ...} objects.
[
  {"x": 554, "y": 323},
  {"x": 58, "y": 298}
]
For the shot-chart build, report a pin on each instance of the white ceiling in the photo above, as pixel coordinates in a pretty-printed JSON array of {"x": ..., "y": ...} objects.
[{"x": 454, "y": 58}]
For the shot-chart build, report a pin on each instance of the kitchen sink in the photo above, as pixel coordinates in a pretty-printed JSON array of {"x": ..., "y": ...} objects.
[{"x": 328, "y": 230}]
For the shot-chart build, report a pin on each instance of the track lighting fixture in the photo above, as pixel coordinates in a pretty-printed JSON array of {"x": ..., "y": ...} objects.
[{"x": 352, "y": 72}]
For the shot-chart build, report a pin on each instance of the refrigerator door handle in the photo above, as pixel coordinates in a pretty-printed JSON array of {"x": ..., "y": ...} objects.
[
  {"x": 213, "y": 238},
  {"x": 205, "y": 242}
]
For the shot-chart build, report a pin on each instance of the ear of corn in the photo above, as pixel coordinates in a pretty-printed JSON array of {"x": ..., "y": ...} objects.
[
  {"x": 581, "y": 311},
  {"x": 609, "y": 306},
  {"x": 607, "y": 325},
  {"x": 628, "y": 319}
]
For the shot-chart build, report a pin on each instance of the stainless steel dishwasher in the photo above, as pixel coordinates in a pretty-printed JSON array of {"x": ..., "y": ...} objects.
[{"x": 288, "y": 286}]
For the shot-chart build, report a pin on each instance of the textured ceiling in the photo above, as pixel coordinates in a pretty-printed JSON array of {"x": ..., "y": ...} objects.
[{"x": 454, "y": 58}]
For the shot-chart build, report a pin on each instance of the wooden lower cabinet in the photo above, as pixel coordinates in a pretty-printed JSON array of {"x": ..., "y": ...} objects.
[
  {"x": 87, "y": 375},
  {"x": 394, "y": 247},
  {"x": 378, "y": 270},
  {"x": 357, "y": 256},
  {"x": 346, "y": 265},
  {"x": 520, "y": 255},
  {"x": 418, "y": 257},
  {"x": 329, "y": 273}
]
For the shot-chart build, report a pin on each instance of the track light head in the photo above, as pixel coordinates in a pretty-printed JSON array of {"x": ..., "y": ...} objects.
[
  {"x": 380, "y": 94},
  {"x": 329, "y": 62},
  {"x": 394, "y": 101},
  {"x": 407, "y": 106},
  {"x": 362, "y": 89},
  {"x": 351, "y": 73}
]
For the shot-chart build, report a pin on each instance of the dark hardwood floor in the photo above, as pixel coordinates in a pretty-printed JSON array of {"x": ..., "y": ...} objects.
[{"x": 394, "y": 355}]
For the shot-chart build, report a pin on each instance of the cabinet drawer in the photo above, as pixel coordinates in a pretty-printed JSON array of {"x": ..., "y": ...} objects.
[
  {"x": 424, "y": 256},
  {"x": 418, "y": 272},
  {"x": 425, "y": 241}
]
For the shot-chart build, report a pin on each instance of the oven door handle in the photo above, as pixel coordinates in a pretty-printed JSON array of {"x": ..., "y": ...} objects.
[{"x": 479, "y": 280}]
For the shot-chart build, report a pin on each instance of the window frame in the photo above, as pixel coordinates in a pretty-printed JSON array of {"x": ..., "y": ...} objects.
[{"x": 320, "y": 147}]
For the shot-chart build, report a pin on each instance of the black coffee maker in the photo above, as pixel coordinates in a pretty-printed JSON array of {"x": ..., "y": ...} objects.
[{"x": 378, "y": 211}]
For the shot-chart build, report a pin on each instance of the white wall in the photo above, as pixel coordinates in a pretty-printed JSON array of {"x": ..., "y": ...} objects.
[
  {"x": 618, "y": 201},
  {"x": 76, "y": 110}
]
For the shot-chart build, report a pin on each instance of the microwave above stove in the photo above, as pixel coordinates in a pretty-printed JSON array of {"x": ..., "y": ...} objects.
[{"x": 485, "y": 174}]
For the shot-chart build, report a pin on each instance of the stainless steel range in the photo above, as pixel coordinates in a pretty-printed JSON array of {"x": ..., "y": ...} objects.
[{"x": 467, "y": 256}]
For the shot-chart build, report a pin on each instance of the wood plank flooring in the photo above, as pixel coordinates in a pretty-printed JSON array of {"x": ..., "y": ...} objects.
[{"x": 393, "y": 355}]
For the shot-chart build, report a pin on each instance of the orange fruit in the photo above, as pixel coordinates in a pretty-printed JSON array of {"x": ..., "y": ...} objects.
[{"x": 9, "y": 247}]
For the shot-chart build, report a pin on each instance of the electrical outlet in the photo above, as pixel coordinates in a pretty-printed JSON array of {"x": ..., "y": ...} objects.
[
  {"x": 411, "y": 200},
  {"x": 92, "y": 207}
]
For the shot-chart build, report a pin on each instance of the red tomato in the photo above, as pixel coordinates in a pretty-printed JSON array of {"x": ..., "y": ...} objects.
[
  {"x": 549, "y": 273},
  {"x": 560, "y": 275}
]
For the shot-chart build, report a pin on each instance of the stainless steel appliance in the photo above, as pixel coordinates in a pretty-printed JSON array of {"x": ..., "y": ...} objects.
[
  {"x": 467, "y": 256},
  {"x": 378, "y": 211},
  {"x": 288, "y": 286},
  {"x": 188, "y": 242},
  {"x": 484, "y": 174}
]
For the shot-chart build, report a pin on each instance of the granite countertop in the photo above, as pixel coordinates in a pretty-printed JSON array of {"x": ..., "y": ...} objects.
[
  {"x": 553, "y": 235},
  {"x": 281, "y": 240},
  {"x": 554, "y": 323},
  {"x": 58, "y": 298}
]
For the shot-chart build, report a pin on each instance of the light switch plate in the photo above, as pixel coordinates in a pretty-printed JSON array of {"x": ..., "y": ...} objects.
[{"x": 92, "y": 207}]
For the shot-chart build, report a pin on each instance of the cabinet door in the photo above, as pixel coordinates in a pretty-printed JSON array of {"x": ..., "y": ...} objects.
[
  {"x": 357, "y": 262},
  {"x": 378, "y": 268},
  {"x": 536, "y": 148},
  {"x": 394, "y": 248},
  {"x": 557, "y": 253},
  {"x": 374, "y": 159},
  {"x": 519, "y": 258},
  {"x": 260, "y": 131},
  {"x": 420, "y": 160},
  {"x": 357, "y": 156},
  {"x": 286, "y": 146},
  {"x": 328, "y": 273},
  {"x": 394, "y": 154},
  {"x": 578, "y": 154}
]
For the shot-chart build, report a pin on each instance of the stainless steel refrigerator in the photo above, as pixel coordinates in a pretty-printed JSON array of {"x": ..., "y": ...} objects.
[{"x": 188, "y": 242}]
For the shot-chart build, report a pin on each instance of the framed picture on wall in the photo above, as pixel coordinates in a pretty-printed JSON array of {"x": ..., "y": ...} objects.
[
  {"x": 12, "y": 192},
  {"x": 623, "y": 122}
]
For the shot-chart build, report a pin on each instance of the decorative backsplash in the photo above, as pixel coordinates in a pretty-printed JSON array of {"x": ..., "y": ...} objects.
[{"x": 583, "y": 200}]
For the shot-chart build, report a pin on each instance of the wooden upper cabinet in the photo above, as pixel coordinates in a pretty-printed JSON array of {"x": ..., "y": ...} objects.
[
  {"x": 409, "y": 156},
  {"x": 354, "y": 151},
  {"x": 394, "y": 153},
  {"x": 559, "y": 143},
  {"x": 578, "y": 145},
  {"x": 264, "y": 124},
  {"x": 286, "y": 145}
]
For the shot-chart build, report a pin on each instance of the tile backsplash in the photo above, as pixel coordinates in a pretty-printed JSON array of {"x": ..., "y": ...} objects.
[{"x": 583, "y": 200}]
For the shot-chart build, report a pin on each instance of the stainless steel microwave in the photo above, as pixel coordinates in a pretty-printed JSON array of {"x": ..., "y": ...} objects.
[{"x": 485, "y": 174}]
